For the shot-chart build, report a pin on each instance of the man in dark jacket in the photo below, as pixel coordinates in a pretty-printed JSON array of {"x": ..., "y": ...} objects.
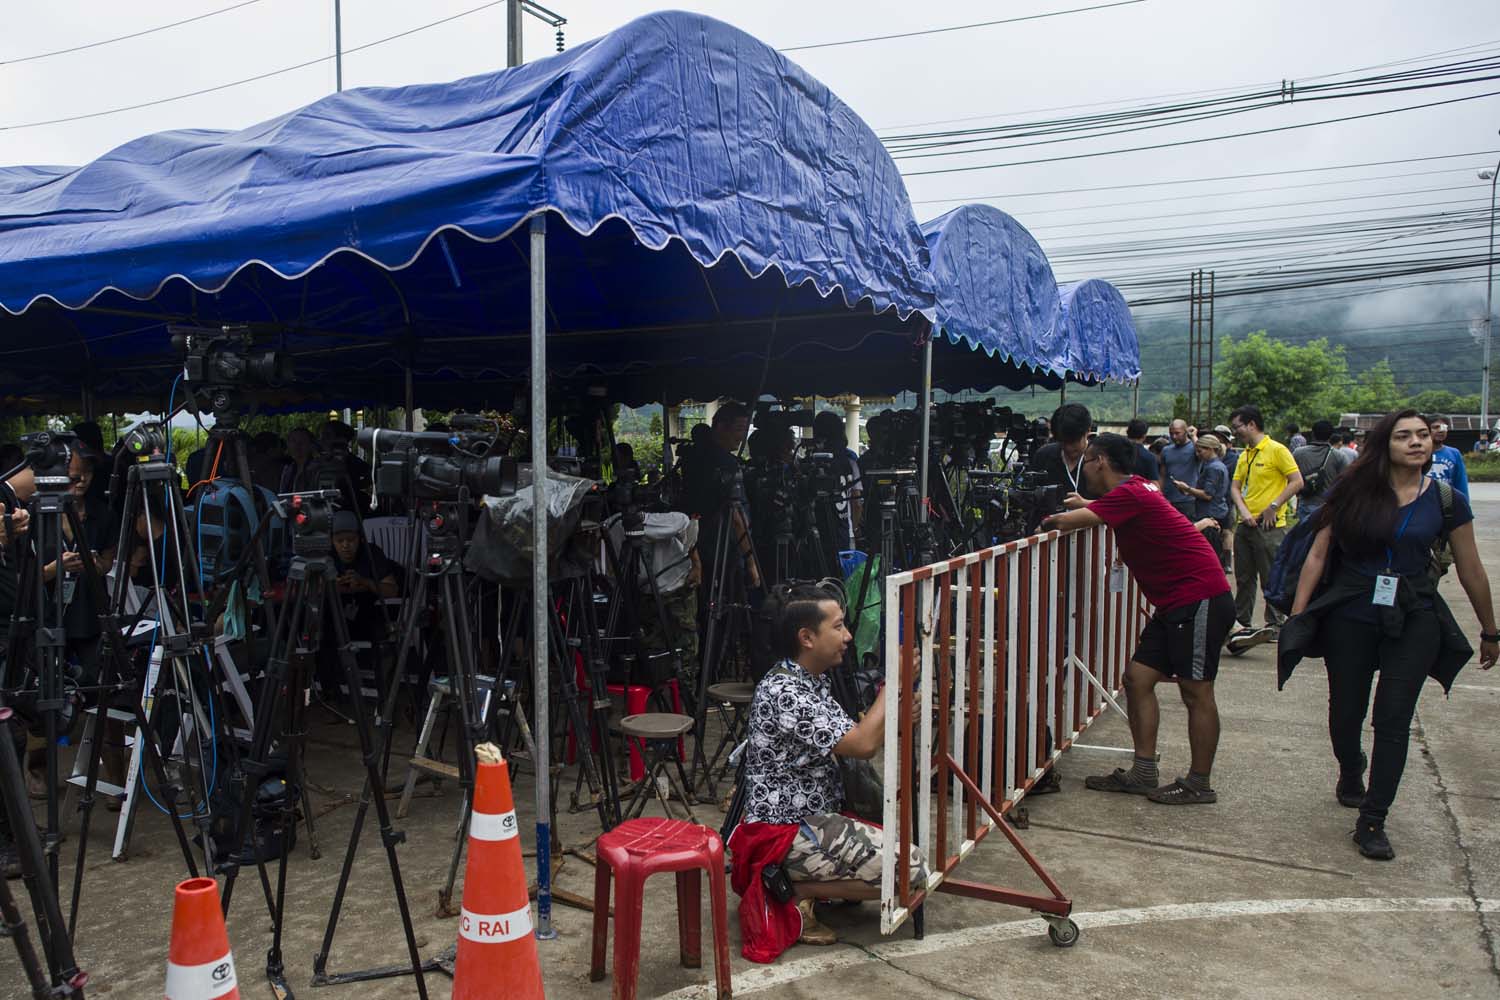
[{"x": 1146, "y": 465}]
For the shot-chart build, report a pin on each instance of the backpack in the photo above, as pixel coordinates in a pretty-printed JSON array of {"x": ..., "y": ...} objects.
[
  {"x": 1286, "y": 567},
  {"x": 1315, "y": 482}
]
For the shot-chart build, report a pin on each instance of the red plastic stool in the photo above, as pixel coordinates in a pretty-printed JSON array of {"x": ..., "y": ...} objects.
[{"x": 636, "y": 850}]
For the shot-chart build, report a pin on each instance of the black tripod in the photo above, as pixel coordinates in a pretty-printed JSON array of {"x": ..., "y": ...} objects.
[
  {"x": 311, "y": 597},
  {"x": 573, "y": 629},
  {"x": 729, "y": 614},
  {"x": 438, "y": 570},
  {"x": 630, "y": 565},
  {"x": 36, "y": 657},
  {"x": 153, "y": 495},
  {"x": 61, "y": 977}
]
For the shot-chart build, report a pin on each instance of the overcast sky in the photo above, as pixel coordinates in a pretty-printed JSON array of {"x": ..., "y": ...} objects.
[{"x": 979, "y": 75}]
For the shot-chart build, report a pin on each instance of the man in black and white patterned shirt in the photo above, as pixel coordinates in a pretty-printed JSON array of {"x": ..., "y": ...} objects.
[{"x": 795, "y": 728}]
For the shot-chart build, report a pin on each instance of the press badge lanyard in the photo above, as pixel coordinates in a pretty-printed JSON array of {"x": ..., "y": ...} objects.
[
  {"x": 1072, "y": 473},
  {"x": 1385, "y": 584}
]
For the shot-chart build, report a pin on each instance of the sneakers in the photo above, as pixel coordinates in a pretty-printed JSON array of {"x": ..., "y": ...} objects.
[
  {"x": 1245, "y": 639},
  {"x": 1047, "y": 784},
  {"x": 1118, "y": 780},
  {"x": 814, "y": 933},
  {"x": 1350, "y": 791},
  {"x": 1180, "y": 793},
  {"x": 1372, "y": 841}
]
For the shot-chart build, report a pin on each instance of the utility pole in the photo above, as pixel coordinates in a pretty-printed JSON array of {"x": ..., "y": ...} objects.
[
  {"x": 1489, "y": 312},
  {"x": 513, "y": 56}
]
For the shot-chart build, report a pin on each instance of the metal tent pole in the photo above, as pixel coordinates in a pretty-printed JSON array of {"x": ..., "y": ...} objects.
[
  {"x": 539, "y": 628},
  {"x": 513, "y": 56},
  {"x": 410, "y": 399},
  {"x": 338, "y": 47},
  {"x": 925, "y": 402}
]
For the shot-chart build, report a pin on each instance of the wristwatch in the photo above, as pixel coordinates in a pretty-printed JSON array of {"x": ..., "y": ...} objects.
[{"x": 1489, "y": 637}]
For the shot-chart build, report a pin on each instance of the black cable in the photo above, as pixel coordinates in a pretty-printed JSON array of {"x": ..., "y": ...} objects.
[
  {"x": 902, "y": 147},
  {"x": 1188, "y": 93},
  {"x": 1222, "y": 177},
  {"x": 1210, "y": 138},
  {"x": 257, "y": 77},
  {"x": 958, "y": 27},
  {"x": 123, "y": 38}
]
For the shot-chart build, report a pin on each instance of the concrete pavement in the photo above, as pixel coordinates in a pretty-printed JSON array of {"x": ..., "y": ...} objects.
[{"x": 1261, "y": 895}]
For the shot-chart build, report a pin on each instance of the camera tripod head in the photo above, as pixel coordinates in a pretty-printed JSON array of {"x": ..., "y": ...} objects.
[
  {"x": 49, "y": 454},
  {"x": 311, "y": 520}
]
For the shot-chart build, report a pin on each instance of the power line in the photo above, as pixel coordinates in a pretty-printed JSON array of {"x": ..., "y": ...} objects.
[
  {"x": 1196, "y": 213},
  {"x": 1194, "y": 142},
  {"x": 257, "y": 77},
  {"x": 1150, "y": 116},
  {"x": 123, "y": 38},
  {"x": 959, "y": 27},
  {"x": 1187, "y": 93},
  {"x": 1222, "y": 177}
]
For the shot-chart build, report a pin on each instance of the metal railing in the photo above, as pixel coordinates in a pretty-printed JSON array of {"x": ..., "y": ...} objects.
[{"x": 995, "y": 662}]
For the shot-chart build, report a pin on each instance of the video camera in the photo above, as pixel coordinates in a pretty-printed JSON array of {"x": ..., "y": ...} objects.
[
  {"x": 49, "y": 454},
  {"x": 439, "y": 465},
  {"x": 227, "y": 357},
  {"x": 144, "y": 440},
  {"x": 629, "y": 497},
  {"x": 1011, "y": 504},
  {"x": 215, "y": 363}
]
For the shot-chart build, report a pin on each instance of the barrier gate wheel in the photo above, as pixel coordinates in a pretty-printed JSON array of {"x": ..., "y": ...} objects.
[{"x": 1063, "y": 931}]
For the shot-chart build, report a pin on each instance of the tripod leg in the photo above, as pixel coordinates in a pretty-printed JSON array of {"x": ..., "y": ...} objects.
[
  {"x": 44, "y": 902},
  {"x": 14, "y": 927},
  {"x": 461, "y": 677},
  {"x": 370, "y": 756},
  {"x": 273, "y": 684}
]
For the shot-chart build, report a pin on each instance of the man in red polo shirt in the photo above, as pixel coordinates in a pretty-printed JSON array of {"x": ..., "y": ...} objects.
[{"x": 1180, "y": 575}]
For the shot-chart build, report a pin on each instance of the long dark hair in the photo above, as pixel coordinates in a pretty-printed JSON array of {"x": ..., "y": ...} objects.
[{"x": 1361, "y": 506}]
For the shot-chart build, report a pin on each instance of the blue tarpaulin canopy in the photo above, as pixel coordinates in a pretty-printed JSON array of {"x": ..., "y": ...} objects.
[
  {"x": 726, "y": 216},
  {"x": 1100, "y": 332},
  {"x": 996, "y": 292}
]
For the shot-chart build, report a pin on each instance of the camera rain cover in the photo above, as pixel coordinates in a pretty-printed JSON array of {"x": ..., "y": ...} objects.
[{"x": 502, "y": 545}]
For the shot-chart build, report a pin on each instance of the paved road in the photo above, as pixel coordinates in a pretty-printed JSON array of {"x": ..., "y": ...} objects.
[{"x": 1261, "y": 895}]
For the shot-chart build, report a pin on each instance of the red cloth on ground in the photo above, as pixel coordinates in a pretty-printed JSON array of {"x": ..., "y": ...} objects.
[{"x": 767, "y": 927}]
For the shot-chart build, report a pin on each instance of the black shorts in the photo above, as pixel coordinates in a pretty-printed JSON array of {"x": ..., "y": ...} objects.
[{"x": 1185, "y": 642}]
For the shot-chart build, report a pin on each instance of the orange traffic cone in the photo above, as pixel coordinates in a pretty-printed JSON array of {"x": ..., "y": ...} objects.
[
  {"x": 199, "y": 965},
  {"x": 496, "y": 949}
]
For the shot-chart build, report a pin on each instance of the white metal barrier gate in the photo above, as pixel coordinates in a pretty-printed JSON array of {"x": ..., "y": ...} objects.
[{"x": 995, "y": 662}]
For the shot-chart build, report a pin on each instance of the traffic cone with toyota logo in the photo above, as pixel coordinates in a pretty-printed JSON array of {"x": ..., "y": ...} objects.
[
  {"x": 496, "y": 948},
  {"x": 199, "y": 965}
]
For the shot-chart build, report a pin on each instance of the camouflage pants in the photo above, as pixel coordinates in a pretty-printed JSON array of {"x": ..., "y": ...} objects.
[
  {"x": 681, "y": 608},
  {"x": 831, "y": 848}
]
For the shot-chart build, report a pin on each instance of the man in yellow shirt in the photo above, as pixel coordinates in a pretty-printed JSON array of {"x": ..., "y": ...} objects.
[{"x": 1265, "y": 478}]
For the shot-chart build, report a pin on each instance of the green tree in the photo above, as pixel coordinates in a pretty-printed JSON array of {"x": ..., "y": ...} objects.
[
  {"x": 655, "y": 429},
  {"x": 1375, "y": 391},
  {"x": 1444, "y": 401},
  {"x": 1290, "y": 384},
  {"x": 1181, "y": 408}
]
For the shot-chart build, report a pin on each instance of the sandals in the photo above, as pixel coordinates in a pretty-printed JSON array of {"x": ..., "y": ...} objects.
[
  {"x": 1118, "y": 780},
  {"x": 1179, "y": 794}
]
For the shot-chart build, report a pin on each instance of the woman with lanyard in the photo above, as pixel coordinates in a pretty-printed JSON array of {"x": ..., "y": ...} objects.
[{"x": 1380, "y": 610}]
